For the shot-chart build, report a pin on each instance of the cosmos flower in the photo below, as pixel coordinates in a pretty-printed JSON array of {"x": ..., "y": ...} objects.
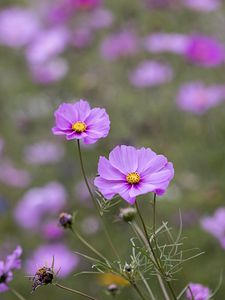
[
  {"x": 205, "y": 51},
  {"x": 12, "y": 176},
  {"x": 90, "y": 225},
  {"x": 51, "y": 230},
  {"x": 12, "y": 262},
  {"x": 47, "y": 45},
  {"x": 151, "y": 73},
  {"x": 166, "y": 42},
  {"x": 215, "y": 225},
  {"x": 43, "y": 153},
  {"x": 120, "y": 44},
  {"x": 198, "y": 291},
  {"x": 81, "y": 37},
  {"x": 99, "y": 18},
  {"x": 202, "y": 5},
  {"x": 50, "y": 71},
  {"x": 39, "y": 202},
  {"x": 64, "y": 259},
  {"x": 197, "y": 98},
  {"x": 131, "y": 172},
  {"x": 86, "y": 4},
  {"x": 79, "y": 121},
  {"x": 107, "y": 279},
  {"x": 59, "y": 12},
  {"x": 18, "y": 26},
  {"x": 81, "y": 193}
]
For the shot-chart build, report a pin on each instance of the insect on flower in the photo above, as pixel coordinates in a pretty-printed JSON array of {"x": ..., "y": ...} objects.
[{"x": 43, "y": 276}]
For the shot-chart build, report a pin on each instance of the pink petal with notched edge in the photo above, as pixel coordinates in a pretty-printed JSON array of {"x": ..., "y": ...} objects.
[{"x": 154, "y": 170}]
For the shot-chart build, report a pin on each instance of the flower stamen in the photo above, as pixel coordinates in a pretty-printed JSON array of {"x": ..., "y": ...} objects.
[
  {"x": 133, "y": 178},
  {"x": 79, "y": 127}
]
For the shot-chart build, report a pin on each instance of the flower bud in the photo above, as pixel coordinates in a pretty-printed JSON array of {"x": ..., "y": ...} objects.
[
  {"x": 128, "y": 268},
  {"x": 113, "y": 289},
  {"x": 128, "y": 214},
  {"x": 65, "y": 220}
]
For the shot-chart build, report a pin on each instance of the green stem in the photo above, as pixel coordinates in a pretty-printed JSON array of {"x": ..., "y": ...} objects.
[
  {"x": 75, "y": 233},
  {"x": 159, "y": 267},
  {"x": 17, "y": 294},
  {"x": 142, "y": 238},
  {"x": 147, "y": 237},
  {"x": 154, "y": 214},
  {"x": 147, "y": 286},
  {"x": 74, "y": 291},
  {"x": 156, "y": 245},
  {"x": 138, "y": 291},
  {"x": 192, "y": 296},
  {"x": 94, "y": 201}
]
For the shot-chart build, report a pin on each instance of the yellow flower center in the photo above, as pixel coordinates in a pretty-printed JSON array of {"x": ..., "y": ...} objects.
[
  {"x": 133, "y": 178},
  {"x": 79, "y": 126}
]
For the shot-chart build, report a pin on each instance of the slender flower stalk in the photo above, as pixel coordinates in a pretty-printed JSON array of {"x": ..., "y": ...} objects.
[
  {"x": 17, "y": 294},
  {"x": 141, "y": 237},
  {"x": 158, "y": 262},
  {"x": 190, "y": 291},
  {"x": 75, "y": 233},
  {"x": 138, "y": 291},
  {"x": 74, "y": 291},
  {"x": 147, "y": 237},
  {"x": 94, "y": 200},
  {"x": 154, "y": 215},
  {"x": 147, "y": 286}
]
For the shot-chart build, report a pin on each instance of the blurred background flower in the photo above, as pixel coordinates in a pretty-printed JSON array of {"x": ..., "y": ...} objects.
[{"x": 157, "y": 67}]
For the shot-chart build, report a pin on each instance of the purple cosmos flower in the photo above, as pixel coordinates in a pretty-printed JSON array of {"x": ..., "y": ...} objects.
[
  {"x": 18, "y": 26},
  {"x": 99, "y": 18},
  {"x": 51, "y": 230},
  {"x": 79, "y": 121},
  {"x": 90, "y": 225},
  {"x": 215, "y": 225},
  {"x": 81, "y": 193},
  {"x": 202, "y": 5},
  {"x": 86, "y": 4},
  {"x": 64, "y": 259},
  {"x": 81, "y": 37},
  {"x": 60, "y": 12},
  {"x": 166, "y": 42},
  {"x": 205, "y": 51},
  {"x": 12, "y": 176},
  {"x": 47, "y": 45},
  {"x": 43, "y": 153},
  {"x": 151, "y": 73},
  {"x": 50, "y": 71},
  {"x": 39, "y": 202},
  {"x": 121, "y": 44},
  {"x": 197, "y": 98},
  {"x": 131, "y": 172},
  {"x": 199, "y": 292},
  {"x": 11, "y": 263}
]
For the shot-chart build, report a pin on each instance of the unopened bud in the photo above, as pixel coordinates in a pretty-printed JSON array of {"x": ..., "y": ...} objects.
[
  {"x": 113, "y": 289},
  {"x": 128, "y": 268},
  {"x": 128, "y": 214},
  {"x": 65, "y": 220}
]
